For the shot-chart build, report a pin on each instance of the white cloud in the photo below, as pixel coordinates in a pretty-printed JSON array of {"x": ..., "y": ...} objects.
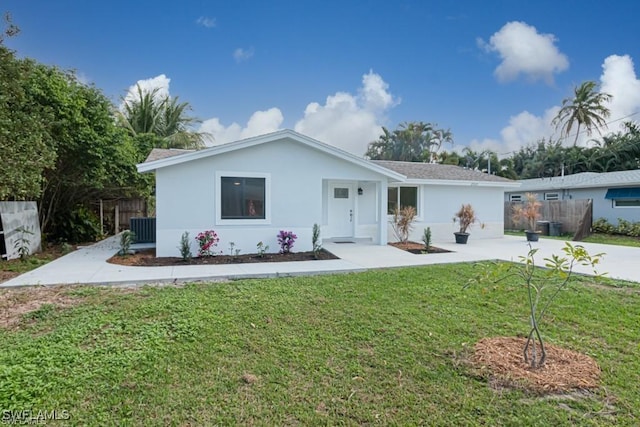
[
  {"x": 524, "y": 51},
  {"x": 261, "y": 122},
  {"x": 241, "y": 54},
  {"x": 619, "y": 79},
  {"x": 206, "y": 22},
  {"x": 160, "y": 82},
  {"x": 349, "y": 121},
  {"x": 345, "y": 120}
]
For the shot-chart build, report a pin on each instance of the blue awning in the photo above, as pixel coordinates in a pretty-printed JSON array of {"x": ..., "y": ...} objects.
[{"x": 623, "y": 193}]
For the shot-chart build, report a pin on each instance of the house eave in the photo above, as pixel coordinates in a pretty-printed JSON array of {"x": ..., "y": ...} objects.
[
  {"x": 462, "y": 183},
  {"x": 257, "y": 140}
]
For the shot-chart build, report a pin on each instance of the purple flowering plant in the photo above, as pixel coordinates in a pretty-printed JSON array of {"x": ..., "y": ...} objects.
[
  {"x": 286, "y": 240},
  {"x": 207, "y": 240}
]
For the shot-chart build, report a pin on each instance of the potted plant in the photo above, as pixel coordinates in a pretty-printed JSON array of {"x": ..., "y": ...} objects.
[
  {"x": 530, "y": 213},
  {"x": 466, "y": 217}
]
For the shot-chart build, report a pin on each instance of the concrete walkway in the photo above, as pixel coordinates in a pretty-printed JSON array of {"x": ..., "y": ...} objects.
[{"x": 88, "y": 265}]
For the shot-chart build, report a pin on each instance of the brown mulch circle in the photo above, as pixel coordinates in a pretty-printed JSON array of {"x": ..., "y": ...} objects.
[
  {"x": 147, "y": 258},
  {"x": 501, "y": 359},
  {"x": 417, "y": 248}
]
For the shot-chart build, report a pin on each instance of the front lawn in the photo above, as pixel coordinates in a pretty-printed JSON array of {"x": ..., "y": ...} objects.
[{"x": 381, "y": 347}]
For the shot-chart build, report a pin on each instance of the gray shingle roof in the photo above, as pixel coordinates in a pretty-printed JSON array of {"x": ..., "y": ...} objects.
[
  {"x": 164, "y": 153},
  {"x": 583, "y": 180},
  {"x": 427, "y": 171}
]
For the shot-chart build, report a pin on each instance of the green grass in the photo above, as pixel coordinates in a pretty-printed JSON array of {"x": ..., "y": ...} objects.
[
  {"x": 610, "y": 239},
  {"x": 381, "y": 347},
  {"x": 32, "y": 261},
  {"x": 607, "y": 239}
]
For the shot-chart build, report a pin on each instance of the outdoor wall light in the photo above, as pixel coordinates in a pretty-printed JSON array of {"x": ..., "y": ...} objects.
[{"x": 360, "y": 191}]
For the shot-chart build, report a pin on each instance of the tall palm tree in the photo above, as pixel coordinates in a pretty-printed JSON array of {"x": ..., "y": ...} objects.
[
  {"x": 585, "y": 108},
  {"x": 164, "y": 117}
]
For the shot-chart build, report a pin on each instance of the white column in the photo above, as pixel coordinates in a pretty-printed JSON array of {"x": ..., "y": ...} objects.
[{"x": 382, "y": 210}]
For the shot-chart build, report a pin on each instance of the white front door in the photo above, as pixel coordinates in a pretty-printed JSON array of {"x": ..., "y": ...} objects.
[{"x": 341, "y": 209}]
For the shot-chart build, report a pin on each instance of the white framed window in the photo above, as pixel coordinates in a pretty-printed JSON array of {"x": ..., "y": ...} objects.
[
  {"x": 515, "y": 197},
  {"x": 626, "y": 203},
  {"x": 402, "y": 197},
  {"x": 243, "y": 197},
  {"x": 552, "y": 196}
]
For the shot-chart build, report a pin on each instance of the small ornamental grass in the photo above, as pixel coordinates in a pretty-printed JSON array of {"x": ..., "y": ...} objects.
[{"x": 207, "y": 241}]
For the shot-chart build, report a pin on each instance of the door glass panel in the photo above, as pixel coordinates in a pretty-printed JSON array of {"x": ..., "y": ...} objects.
[{"x": 340, "y": 193}]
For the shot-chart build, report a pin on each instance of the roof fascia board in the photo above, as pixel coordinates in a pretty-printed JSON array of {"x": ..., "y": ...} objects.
[{"x": 249, "y": 142}]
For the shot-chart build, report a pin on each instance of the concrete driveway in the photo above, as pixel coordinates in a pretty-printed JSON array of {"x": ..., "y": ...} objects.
[{"x": 88, "y": 265}]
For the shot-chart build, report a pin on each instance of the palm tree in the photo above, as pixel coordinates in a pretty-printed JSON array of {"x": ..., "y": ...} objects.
[
  {"x": 585, "y": 108},
  {"x": 164, "y": 117}
]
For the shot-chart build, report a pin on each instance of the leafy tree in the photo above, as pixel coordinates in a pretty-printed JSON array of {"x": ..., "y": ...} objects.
[
  {"x": 586, "y": 108},
  {"x": 9, "y": 28},
  {"x": 164, "y": 117},
  {"x": 542, "y": 287},
  {"x": 23, "y": 137},
  {"x": 94, "y": 158},
  {"x": 410, "y": 142}
]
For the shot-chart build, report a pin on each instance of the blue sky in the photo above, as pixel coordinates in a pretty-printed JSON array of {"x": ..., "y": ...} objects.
[{"x": 494, "y": 72}]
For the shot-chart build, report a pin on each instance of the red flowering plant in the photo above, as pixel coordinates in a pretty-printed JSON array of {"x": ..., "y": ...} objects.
[
  {"x": 286, "y": 240},
  {"x": 207, "y": 240}
]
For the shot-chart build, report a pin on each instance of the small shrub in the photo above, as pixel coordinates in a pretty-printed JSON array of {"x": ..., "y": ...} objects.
[
  {"x": 466, "y": 217},
  {"x": 402, "y": 222},
  {"x": 529, "y": 212},
  {"x": 426, "y": 238},
  {"x": 262, "y": 249},
  {"x": 185, "y": 247},
  {"x": 23, "y": 242},
  {"x": 232, "y": 249},
  {"x": 286, "y": 239},
  {"x": 601, "y": 225},
  {"x": 315, "y": 240},
  {"x": 126, "y": 239},
  {"x": 624, "y": 227},
  {"x": 542, "y": 286},
  {"x": 207, "y": 241}
]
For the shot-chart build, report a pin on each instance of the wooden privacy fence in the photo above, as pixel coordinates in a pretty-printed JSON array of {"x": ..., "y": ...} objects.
[
  {"x": 115, "y": 214},
  {"x": 572, "y": 214}
]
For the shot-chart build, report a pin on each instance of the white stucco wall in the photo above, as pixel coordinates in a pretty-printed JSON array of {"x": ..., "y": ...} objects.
[
  {"x": 439, "y": 203},
  {"x": 186, "y": 196}
]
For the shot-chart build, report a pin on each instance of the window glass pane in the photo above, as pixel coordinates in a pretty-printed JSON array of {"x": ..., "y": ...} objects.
[
  {"x": 627, "y": 203},
  {"x": 392, "y": 199},
  {"x": 409, "y": 197},
  {"x": 242, "y": 198},
  {"x": 340, "y": 193}
]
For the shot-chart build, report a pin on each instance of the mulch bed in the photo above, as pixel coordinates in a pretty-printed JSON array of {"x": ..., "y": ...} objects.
[
  {"x": 418, "y": 248},
  {"x": 147, "y": 258},
  {"x": 501, "y": 360}
]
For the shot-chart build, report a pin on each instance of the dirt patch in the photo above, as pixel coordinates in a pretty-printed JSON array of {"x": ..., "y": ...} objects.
[
  {"x": 147, "y": 258},
  {"x": 7, "y": 275},
  {"x": 501, "y": 360},
  {"x": 418, "y": 248},
  {"x": 15, "y": 303}
]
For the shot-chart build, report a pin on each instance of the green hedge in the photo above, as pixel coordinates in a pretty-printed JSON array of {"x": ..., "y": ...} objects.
[{"x": 624, "y": 227}]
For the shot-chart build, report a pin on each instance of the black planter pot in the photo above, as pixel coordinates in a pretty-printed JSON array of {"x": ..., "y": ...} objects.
[
  {"x": 461, "y": 238},
  {"x": 532, "y": 236}
]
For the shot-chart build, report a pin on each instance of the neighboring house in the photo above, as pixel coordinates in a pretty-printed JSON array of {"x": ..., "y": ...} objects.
[
  {"x": 249, "y": 190},
  {"x": 614, "y": 194}
]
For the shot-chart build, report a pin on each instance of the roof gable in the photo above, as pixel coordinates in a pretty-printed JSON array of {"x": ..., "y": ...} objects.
[{"x": 162, "y": 158}]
